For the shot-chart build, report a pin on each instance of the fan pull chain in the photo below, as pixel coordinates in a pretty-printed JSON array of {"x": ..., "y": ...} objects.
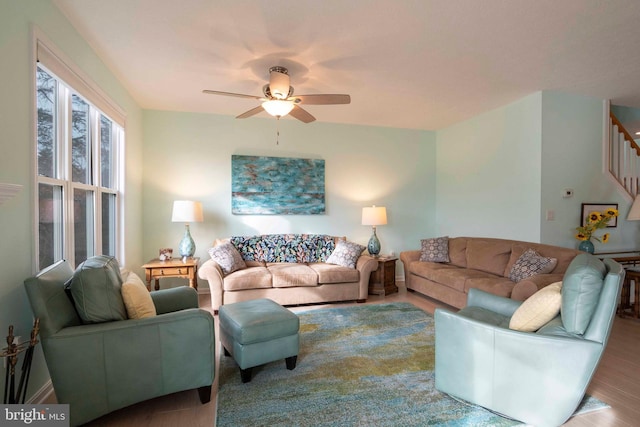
[{"x": 278, "y": 131}]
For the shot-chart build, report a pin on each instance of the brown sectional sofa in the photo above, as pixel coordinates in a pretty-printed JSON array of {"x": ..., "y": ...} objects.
[{"x": 482, "y": 263}]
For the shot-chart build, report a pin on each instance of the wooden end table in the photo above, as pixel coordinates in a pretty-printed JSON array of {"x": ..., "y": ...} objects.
[
  {"x": 625, "y": 299},
  {"x": 176, "y": 267},
  {"x": 383, "y": 280}
]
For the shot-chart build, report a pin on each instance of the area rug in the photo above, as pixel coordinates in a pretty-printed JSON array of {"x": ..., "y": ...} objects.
[{"x": 365, "y": 365}]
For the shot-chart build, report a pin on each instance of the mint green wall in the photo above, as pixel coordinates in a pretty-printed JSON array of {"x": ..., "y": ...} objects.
[
  {"x": 572, "y": 135},
  {"x": 488, "y": 173},
  {"x": 16, "y": 107},
  {"x": 188, "y": 156}
]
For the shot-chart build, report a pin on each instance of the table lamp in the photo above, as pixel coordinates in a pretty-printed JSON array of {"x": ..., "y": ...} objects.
[
  {"x": 374, "y": 216},
  {"x": 187, "y": 211}
]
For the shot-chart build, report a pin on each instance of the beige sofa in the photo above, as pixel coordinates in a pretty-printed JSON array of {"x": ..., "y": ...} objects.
[
  {"x": 290, "y": 269},
  {"x": 482, "y": 263}
]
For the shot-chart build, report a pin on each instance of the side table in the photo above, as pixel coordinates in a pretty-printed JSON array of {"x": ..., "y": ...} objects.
[
  {"x": 383, "y": 280},
  {"x": 176, "y": 267},
  {"x": 632, "y": 274}
]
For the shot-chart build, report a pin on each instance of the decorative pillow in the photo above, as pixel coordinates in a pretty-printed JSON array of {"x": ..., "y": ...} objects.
[
  {"x": 346, "y": 254},
  {"x": 137, "y": 298},
  {"x": 529, "y": 264},
  {"x": 537, "y": 310},
  {"x": 582, "y": 284},
  {"x": 96, "y": 290},
  {"x": 227, "y": 257},
  {"x": 435, "y": 250}
]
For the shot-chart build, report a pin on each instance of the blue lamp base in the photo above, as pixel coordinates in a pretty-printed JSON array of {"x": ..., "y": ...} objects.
[
  {"x": 374, "y": 244},
  {"x": 187, "y": 246}
]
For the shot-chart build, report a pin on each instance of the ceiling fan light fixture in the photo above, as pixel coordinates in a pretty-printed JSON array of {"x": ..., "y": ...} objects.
[{"x": 278, "y": 108}]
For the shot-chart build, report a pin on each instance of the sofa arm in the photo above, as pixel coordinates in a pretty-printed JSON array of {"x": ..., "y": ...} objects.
[
  {"x": 529, "y": 286},
  {"x": 212, "y": 273},
  {"x": 407, "y": 257},
  {"x": 366, "y": 265},
  {"x": 174, "y": 299}
]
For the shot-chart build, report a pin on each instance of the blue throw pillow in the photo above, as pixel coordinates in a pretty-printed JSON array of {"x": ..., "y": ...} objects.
[
  {"x": 96, "y": 290},
  {"x": 581, "y": 287}
]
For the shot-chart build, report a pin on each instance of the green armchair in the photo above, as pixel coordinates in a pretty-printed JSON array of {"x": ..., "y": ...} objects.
[
  {"x": 536, "y": 377},
  {"x": 100, "y": 367}
]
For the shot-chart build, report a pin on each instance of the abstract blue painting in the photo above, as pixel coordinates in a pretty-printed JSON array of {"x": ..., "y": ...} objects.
[{"x": 277, "y": 186}]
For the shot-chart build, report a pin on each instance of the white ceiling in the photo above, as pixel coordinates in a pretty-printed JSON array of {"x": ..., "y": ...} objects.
[{"x": 420, "y": 64}]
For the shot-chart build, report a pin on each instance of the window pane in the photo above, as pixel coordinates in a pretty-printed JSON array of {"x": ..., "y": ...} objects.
[
  {"x": 49, "y": 224},
  {"x": 83, "y": 219},
  {"x": 106, "y": 152},
  {"x": 80, "y": 144},
  {"x": 108, "y": 224},
  {"x": 46, "y": 90}
]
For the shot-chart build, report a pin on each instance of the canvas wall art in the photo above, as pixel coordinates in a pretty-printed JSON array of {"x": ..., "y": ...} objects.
[{"x": 277, "y": 186}]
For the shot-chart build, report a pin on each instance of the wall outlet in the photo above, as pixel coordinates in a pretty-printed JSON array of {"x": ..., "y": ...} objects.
[{"x": 551, "y": 215}]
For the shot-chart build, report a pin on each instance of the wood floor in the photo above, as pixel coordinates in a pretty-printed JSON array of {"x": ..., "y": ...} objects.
[{"x": 617, "y": 382}]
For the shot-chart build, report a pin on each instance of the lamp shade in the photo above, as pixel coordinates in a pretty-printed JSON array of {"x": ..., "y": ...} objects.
[
  {"x": 634, "y": 212},
  {"x": 187, "y": 211},
  {"x": 374, "y": 215},
  {"x": 278, "y": 108}
]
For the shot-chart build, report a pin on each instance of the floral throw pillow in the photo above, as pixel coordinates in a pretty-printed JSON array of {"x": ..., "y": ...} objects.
[
  {"x": 227, "y": 257},
  {"x": 346, "y": 254},
  {"x": 529, "y": 264},
  {"x": 435, "y": 250}
]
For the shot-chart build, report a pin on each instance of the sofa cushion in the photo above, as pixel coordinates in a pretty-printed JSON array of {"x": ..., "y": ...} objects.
[
  {"x": 331, "y": 273},
  {"x": 458, "y": 251},
  {"x": 227, "y": 257},
  {"x": 287, "y": 275},
  {"x": 346, "y": 254},
  {"x": 457, "y": 278},
  {"x": 96, "y": 288},
  {"x": 529, "y": 264},
  {"x": 538, "y": 310},
  {"x": 249, "y": 278},
  {"x": 435, "y": 249},
  {"x": 490, "y": 255},
  {"x": 581, "y": 288},
  {"x": 136, "y": 297},
  {"x": 496, "y": 285}
]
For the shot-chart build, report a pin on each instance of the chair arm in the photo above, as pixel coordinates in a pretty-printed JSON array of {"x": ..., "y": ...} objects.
[
  {"x": 529, "y": 286},
  {"x": 491, "y": 302},
  {"x": 365, "y": 265},
  {"x": 407, "y": 257},
  {"x": 212, "y": 273},
  {"x": 174, "y": 299}
]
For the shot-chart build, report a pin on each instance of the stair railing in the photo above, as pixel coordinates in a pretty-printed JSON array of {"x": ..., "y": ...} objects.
[{"x": 624, "y": 158}]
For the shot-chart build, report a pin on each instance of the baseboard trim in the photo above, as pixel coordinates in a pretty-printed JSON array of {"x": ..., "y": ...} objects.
[{"x": 42, "y": 395}]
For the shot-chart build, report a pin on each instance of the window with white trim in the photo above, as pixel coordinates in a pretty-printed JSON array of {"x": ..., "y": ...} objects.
[{"x": 79, "y": 164}]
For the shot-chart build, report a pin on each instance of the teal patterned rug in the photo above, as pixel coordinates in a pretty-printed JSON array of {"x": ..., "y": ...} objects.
[{"x": 365, "y": 365}]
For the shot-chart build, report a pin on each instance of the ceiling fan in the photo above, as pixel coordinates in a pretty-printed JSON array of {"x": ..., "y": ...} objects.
[{"x": 278, "y": 99}]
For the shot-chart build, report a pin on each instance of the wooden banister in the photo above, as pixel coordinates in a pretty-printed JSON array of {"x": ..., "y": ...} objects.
[{"x": 626, "y": 134}]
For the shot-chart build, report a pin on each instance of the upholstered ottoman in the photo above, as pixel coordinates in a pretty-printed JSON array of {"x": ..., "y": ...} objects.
[{"x": 258, "y": 331}]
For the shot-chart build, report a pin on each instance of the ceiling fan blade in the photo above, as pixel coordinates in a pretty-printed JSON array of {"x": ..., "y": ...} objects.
[
  {"x": 237, "y": 95},
  {"x": 251, "y": 112},
  {"x": 326, "y": 99},
  {"x": 301, "y": 114}
]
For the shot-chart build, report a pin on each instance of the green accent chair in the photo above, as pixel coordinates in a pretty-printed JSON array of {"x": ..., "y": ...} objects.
[
  {"x": 539, "y": 377},
  {"x": 101, "y": 367}
]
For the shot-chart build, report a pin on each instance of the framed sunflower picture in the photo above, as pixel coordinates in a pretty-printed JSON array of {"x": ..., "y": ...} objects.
[{"x": 602, "y": 208}]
